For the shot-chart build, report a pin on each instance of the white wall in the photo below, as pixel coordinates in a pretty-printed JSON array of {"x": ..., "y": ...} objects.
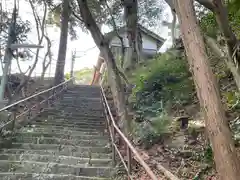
[
  {"x": 148, "y": 42},
  {"x": 116, "y": 42}
]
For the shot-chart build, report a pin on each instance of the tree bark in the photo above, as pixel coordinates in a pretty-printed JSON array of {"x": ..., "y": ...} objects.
[
  {"x": 173, "y": 28},
  {"x": 62, "y": 51},
  {"x": 117, "y": 34},
  {"x": 48, "y": 55},
  {"x": 217, "y": 7},
  {"x": 103, "y": 45},
  {"x": 223, "y": 22},
  {"x": 225, "y": 156},
  {"x": 212, "y": 44},
  {"x": 131, "y": 17}
]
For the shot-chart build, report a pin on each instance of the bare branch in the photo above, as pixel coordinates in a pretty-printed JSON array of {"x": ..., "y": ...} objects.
[
  {"x": 40, "y": 26},
  {"x": 46, "y": 64},
  {"x": 77, "y": 17}
]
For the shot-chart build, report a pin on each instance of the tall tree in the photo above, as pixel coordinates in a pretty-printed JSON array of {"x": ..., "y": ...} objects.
[
  {"x": 62, "y": 51},
  {"x": 221, "y": 14},
  {"x": 225, "y": 156},
  {"x": 103, "y": 45},
  {"x": 131, "y": 18}
]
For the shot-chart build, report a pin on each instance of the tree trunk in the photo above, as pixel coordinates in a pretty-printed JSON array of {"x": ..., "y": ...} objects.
[
  {"x": 218, "y": 52},
  {"x": 223, "y": 22},
  {"x": 130, "y": 14},
  {"x": 220, "y": 11},
  {"x": 62, "y": 51},
  {"x": 48, "y": 55},
  {"x": 225, "y": 156},
  {"x": 103, "y": 45}
]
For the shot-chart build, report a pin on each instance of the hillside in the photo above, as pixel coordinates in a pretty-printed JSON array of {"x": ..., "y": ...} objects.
[{"x": 168, "y": 126}]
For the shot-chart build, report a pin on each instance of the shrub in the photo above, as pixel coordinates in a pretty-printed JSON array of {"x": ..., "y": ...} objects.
[
  {"x": 162, "y": 80},
  {"x": 67, "y": 76},
  {"x": 153, "y": 131}
]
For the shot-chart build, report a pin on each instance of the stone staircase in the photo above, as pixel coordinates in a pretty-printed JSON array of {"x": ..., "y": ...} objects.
[{"x": 65, "y": 142}]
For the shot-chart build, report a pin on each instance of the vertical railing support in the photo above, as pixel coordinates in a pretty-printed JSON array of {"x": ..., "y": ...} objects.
[
  {"x": 113, "y": 149},
  {"x": 38, "y": 106},
  {"x": 129, "y": 160},
  {"x": 14, "y": 118}
]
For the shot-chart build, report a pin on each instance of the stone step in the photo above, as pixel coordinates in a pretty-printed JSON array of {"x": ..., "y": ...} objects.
[
  {"x": 81, "y": 125},
  {"x": 76, "y": 112},
  {"x": 76, "y": 115},
  {"x": 57, "y": 147},
  {"x": 79, "y": 109},
  {"x": 42, "y": 176},
  {"x": 82, "y": 89},
  {"x": 72, "y": 141},
  {"x": 84, "y": 154},
  {"x": 54, "y": 168},
  {"x": 82, "y": 100},
  {"x": 86, "y": 108},
  {"x": 70, "y": 160},
  {"x": 70, "y": 120},
  {"x": 74, "y": 128},
  {"x": 79, "y": 106},
  {"x": 61, "y": 136},
  {"x": 79, "y": 103},
  {"x": 85, "y": 97},
  {"x": 77, "y": 86},
  {"x": 61, "y": 132},
  {"x": 64, "y": 128}
]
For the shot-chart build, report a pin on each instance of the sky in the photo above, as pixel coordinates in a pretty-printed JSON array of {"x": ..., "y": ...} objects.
[{"x": 86, "y": 50}]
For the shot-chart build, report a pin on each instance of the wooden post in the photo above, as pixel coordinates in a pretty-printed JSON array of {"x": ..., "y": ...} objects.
[
  {"x": 113, "y": 148},
  {"x": 129, "y": 160}
]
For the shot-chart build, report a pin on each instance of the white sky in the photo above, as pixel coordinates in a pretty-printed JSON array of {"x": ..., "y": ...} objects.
[{"x": 84, "y": 42}]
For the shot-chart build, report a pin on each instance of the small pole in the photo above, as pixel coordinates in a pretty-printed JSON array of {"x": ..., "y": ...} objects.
[
  {"x": 73, "y": 61},
  {"x": 113, "y": 147}
]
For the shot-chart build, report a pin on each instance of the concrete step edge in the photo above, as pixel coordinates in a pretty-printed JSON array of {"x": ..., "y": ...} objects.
[
  {"x": 97, "y": 135},
  {"x": 79, "y": 131},
  {"x": 50, "y": 152},
  {"x": 54, "y": 163},
  {"x": 60, "y": 141},
  {"x": 71, "y": 128},
  {"x": 52, "y": 175},
  {"x": 59, "y": 156}
]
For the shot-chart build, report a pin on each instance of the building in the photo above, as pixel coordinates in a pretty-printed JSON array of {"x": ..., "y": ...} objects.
[{"x": 150, "y": 42}]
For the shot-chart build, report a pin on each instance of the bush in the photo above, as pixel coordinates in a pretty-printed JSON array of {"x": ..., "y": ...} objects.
[
  {"x": 161, "y": 81},
  {"x": 152, "y": 131},
  {"x": 67, "y": 76}
]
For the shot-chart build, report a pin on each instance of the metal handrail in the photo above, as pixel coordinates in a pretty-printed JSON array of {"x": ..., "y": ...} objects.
[
  {"x": 130, "y": 148},
  {"x": 38, "y": 105}
]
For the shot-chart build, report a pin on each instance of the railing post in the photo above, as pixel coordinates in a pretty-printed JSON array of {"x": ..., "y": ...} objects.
[
  {"x": 14, "y": 117},
  {"x": 113, "y": 147},
  {"x": 129, "y": 160},
  {"x": 49, "y": 99},
  {"x": 38, "y": 106},
  {"x": 29, "y": 112},
  {"x": 54, "y": 96}
]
